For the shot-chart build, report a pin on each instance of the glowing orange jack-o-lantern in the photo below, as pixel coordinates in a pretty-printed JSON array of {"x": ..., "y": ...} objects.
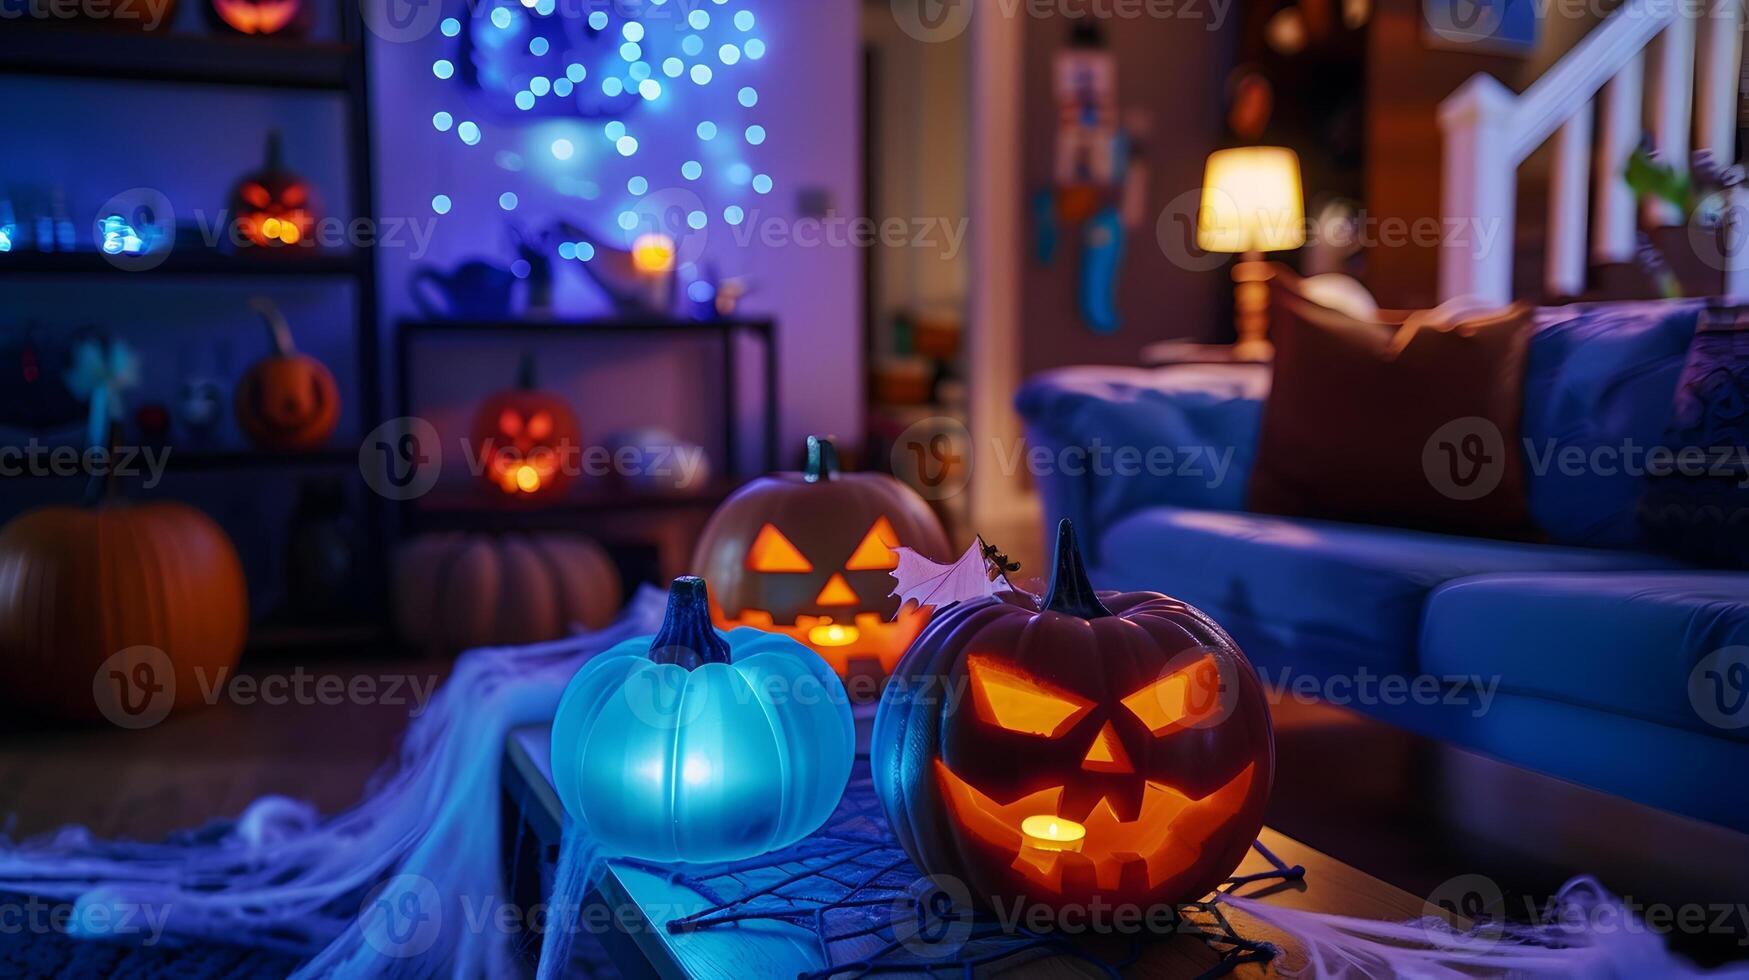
[
  {"x": 290, "y": 18},
  {"x": 528, "y": 439},
  {"x": 273, "y": 207},
  {"x": 1111, "y": 748},
  {"x": 811, "y": 555}
]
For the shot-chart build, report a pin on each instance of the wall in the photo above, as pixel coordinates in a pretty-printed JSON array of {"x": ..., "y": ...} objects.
[
  {"x": 809, "y": 92},
  {"x": 1172, "y": 70}
]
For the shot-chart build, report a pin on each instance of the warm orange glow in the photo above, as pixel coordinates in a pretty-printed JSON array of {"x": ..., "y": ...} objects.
[
  {"x": 1167, "y": 835},
  {"x": 257, "y": 18},
  {"x": 836, "y": 592},
  {"x": 653, "y": 254},
  {"x": 1051, "y": 833},
  {"x": 509, "y": 422},
  {"x": 1107, "y": 753},
  {"x": 875, "y": 638},
  {"x": 1005, "y": 698},
  {"x": 540, "y": 426},
  {"x": 1180, "y": 699},
  {"x": 833, "y": 635},
  {"x": 527, "y": 478},
  {"x": 772, "y": 552},
  {"x": 875, "y": 553}
]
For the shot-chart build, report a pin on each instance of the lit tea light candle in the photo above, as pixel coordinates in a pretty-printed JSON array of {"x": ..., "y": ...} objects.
[
  {"x": 1052, "y": 833},
  {"x": 833, "y": 635}
]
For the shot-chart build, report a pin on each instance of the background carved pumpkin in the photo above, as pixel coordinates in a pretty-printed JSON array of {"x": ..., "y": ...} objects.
[
  {"x": 1114, "y": 747},
  {"x": 273, "y": 207},
  {"x": 526, "y": 436},
  {"x": 454, "y": 592},
  {"x": 289, "y": 18},
  {"x": 79, "y": 585},
  {"x": 810, "y": 555},
  {"x": 287, "y": 400},
  {"x": 702, "y": 747}
]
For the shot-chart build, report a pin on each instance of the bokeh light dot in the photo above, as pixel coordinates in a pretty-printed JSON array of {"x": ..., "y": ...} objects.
[
  {"x": 650, "y": 89},
  {"x": 755, "y": 48},
  {"x": 628, "y": 220},
  {"x": 633, "y": 31},
  {"x": 691, "y": 170},
  {"x": 451, "y": 27},
  {"x": 699, "y": 20},
  {"x": 692, "y": 44},
  {"x": 469, "y": 133},
  {"x": 538, "y": 46},
  {"x": 562, "y": 149},
  {"x": 639, "y": 70},
  {"x": 576, "y": 72},
  {"x": 598, "y": 20},
  {"x": 701, "y": 74},
  {"x": 638, "y": 186},
  {"x": 756, "y": 135},
  {"x": 627, "y": 146},
  {"x": 507, "y": 200},
  {"x": 540, "y": 85},
  {"x": 567, "y": 250},
  {"x": 744, "y": 20},
  {"x": 441, "y": 204},
  {"x": 673, "y": 67},
  {"x": 749, "y": 96},
  {"x": 525, "y": 100},
  {"x": 501, "y": 18},
  {"x": 734, "y": 215},
  {"x": 442, "y": 121},
  {"x": 697, "y": 220},
  {"x": 729, "y": 53},
  {"x": 442, "y": 68},
  {"x": 585, "y": 251},
  {"x": 707, "y": 130},
  {"x": 612, "y": 87},
  {"x": 701, "y": 291},
  {"x": 631, "y": 51},
  {"x": 614, "y": 130},
  {"x": 762, "y": 184},
  {"x": 562, "y": 88}
]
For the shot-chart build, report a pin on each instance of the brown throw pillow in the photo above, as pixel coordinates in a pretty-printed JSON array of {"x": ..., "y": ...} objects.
[{"x": 1411, "y": 421}]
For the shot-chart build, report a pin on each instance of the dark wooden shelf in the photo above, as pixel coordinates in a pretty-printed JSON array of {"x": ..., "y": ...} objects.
[
  {"x": 205, "y": 461},
  {"x": 186, "y": 262},
  {"x": 477, "y": 511},
  {"x": 171, "y": 57},
  {"x": 605, "y": 326}
]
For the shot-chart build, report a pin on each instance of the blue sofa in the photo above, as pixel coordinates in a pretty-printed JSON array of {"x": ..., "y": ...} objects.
[{"x": 1573, "y": 657}]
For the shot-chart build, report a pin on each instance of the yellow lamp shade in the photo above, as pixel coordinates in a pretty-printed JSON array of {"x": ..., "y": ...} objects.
[{"x": 1251, "y": 201}]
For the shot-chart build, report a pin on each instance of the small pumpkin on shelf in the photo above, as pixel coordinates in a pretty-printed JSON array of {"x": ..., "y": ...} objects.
[
  {"x": 273, "y": 208},
  {"x": 288, "y": 18},
  {"x": 526, "y": 437},
  {"x": 287, "y": 401}
]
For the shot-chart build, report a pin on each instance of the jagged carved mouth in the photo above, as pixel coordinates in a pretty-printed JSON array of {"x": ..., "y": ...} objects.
[
  {"x": 1167, "y": 834},
  {"x": 842, "y": 637}
]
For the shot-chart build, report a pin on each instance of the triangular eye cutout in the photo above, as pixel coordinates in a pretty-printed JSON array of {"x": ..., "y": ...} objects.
[
  {"x": 772, "y": 552},
  {"x": 875, "y": 553},
  {"x": 1107, "y": 754}
]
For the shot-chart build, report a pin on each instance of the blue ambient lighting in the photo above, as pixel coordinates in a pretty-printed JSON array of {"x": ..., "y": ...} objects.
[
  {"x": 693, "y": 45},
  {"x": 441, "y": 204},
  {"x": 442, "y": 121},
  {"x": 691, "y": 170},
  {"x": 507, "y": 200},
  {"x": 740, "y": 174},
  {"x": 562, "y": 149}
]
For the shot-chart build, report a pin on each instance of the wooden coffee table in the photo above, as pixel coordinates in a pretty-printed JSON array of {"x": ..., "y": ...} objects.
[{"x": 646, "y": 948}]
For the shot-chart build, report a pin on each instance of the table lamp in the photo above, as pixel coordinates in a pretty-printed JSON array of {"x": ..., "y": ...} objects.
[{"x": 1251, "y": 204}]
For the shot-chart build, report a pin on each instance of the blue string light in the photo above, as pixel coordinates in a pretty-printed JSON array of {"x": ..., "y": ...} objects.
[{"x": 441, "y": 204}]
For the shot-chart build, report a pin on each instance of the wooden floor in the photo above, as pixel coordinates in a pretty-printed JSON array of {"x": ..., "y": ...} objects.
[{"x": 209, "y": 763}]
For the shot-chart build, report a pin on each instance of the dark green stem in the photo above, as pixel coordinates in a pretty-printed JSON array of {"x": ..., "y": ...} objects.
[
  {"x": 687, "y": 637},
  {"x": 822, "y": 460},
  {"x": 1071, "y": 591}
]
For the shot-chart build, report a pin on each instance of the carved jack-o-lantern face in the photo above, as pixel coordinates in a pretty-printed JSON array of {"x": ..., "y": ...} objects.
[
  {"x": 287, "y": 400},
  {"x": 289, "y": 17},
  {"x": 1116, "y": 748},
  {"x": 273, "y": 207},
  {"x": 526, "y": 437},
  {"x": 811, "y": 554}
]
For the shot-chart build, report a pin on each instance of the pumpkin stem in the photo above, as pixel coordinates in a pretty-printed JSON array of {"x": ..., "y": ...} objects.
[
  {"x": 822, "y": 460},
  {"x": 525, "y": 372},
  {"x": 101, "y": 486},
  {"x": 1071, "y": 591},
  {"x": 687, "y": 637},
  {"x": 278, "y": 330}
]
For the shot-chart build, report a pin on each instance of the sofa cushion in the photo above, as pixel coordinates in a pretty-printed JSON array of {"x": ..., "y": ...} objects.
[
  {"x": 1315, "y": 594},
  {"x": 1633, "y": 644}
]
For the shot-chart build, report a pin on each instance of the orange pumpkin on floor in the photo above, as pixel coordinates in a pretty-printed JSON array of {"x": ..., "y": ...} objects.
[
  {"x": 454, "y": 592},
  {"x": 810, "y": 555},
  {"x": 287, "y": 400},
  {"x": 1109, "y": 748},
  {"x": 83, "y": 589},
  {"x": 529, "y": 439}
]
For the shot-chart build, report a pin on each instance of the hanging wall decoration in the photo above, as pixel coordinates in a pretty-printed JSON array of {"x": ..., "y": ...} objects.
[
  {"x": 644, "y": 115},
  {"x": 273, "y": 207},
  {"x": 1111, "y": 747},
  {"x": 810, "y": 555},
  {"x": 699, "y": 746},
  {"x": 287, "y": 401},
  {"x": 529, "y": 439}
]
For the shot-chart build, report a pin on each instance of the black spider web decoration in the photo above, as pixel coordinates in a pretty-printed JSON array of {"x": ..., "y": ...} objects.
[{"x": 873, "y": 913}]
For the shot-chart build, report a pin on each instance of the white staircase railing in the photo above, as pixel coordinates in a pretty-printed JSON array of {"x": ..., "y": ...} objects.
[{"x": 1489, "y": 132}]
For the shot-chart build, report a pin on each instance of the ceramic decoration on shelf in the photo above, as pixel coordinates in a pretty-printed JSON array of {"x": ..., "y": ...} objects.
[
  {"x": 700, "y": 746},
  {"x": 287, "y": 401},
  {"x": 810, "y": 555},
  {"x": 1109, "y": 747}
]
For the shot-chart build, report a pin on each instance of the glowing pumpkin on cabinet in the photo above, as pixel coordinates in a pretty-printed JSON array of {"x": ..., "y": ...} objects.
[
  {"x": 1111, "y": 747},
  {"x": 289, "y": 18},
  {"x": 698, "y": 746},
  {"x": 287, "y": 401},
  {"x": 274, "y": 207},
  {"x": 529, "y": 438},
  {"x": 810, "y": 555}
]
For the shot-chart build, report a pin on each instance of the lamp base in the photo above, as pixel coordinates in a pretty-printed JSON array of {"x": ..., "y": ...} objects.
[{"x": 1251, "y": 303}]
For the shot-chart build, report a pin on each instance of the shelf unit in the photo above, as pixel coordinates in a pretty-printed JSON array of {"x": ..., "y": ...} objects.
[{"x": 339, "y": 67}]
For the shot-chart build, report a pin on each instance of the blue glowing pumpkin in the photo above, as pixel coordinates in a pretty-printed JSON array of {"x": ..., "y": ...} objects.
[{"x": 701, "y": 746}]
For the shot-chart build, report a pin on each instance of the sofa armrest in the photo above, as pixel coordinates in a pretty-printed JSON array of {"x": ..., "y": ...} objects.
[{"x": 1103, "y": 442}]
